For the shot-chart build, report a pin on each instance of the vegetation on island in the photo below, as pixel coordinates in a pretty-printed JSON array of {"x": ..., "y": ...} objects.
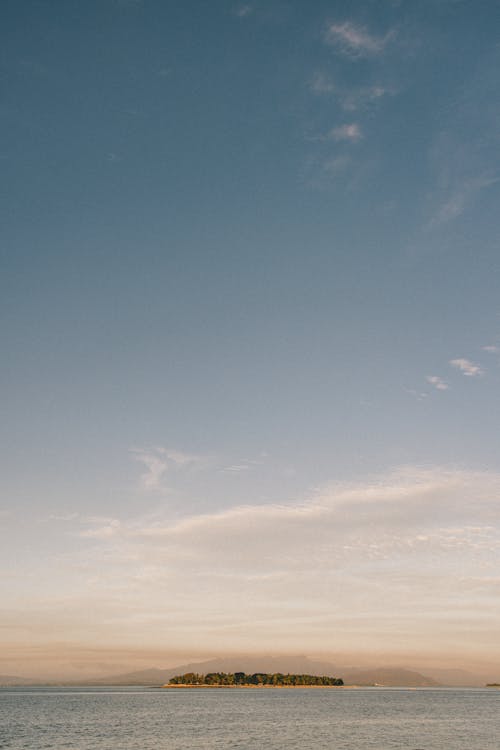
[
  {"x": 493, "y": 684},
  {"x": 259, "y": 678}
]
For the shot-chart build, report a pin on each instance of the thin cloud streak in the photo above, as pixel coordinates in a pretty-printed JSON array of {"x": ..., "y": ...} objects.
[
  {"x": 158, "y": 461},
  {"x": 348, "y": 132},
  {"x": 355, "y": 41},
  {"x": 357, "y": 98},
  {"x": 350, "y": 99},
  {"x": 459, "y": 198},
  {"x": 437, "y": 382},
  {"x": 469, "y": 369}
]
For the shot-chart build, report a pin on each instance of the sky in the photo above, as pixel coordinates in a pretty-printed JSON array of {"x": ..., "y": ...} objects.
[{"x": 250, "y": 326}]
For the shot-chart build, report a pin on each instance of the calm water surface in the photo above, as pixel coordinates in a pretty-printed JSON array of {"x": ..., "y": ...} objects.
[{"x": 147, "y": 719}]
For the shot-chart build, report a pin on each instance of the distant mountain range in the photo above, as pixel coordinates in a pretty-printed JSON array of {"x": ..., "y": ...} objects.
[
  {"x": 388, "y": 676},
  {"x": 295, "y": 665}
]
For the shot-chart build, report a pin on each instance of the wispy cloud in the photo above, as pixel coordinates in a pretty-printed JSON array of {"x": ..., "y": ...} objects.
[
  {"x": 242, "y": 466},
  {"x": 242, "y": 11},
  {"x": 361, "y": 97},
  {"x": 470, "y": 369},
  {"x": 463, "y": 152},
  {"x": 419, "y": 395},
  {"x": 437, "y": 382},
  {"x": 159, "y": 460},
  {"x": 355, "y": 41},
  {"x": 236, "y": 468},
  {"x": 63, "y": 516},
  {"x": 399, "y": 500},
  {"x": 459, "y": 197},
  {"x": 322, "y": 84},
  {"x": 253, "y": 576},
  {"x": 348, "y": 132},
  {"x": 156, "y": 466},
  {"x": 370, "y": 545},
  {"x": 102, "y": 528},
  {"x": 350, "y": 98},
  {"x": 181, "y": 458},
  {"x": 491, "y": 349}
]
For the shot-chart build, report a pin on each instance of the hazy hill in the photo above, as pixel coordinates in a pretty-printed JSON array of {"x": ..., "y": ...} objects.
[
  {"x": 248, "y": 664},
  {"x": 389, "y": 676},
  {"x": 457, "y": 677},
  {"x": 293, "y": 664}
]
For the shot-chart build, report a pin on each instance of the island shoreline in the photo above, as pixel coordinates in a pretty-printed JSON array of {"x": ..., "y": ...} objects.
[{"x": 256, "y": 687}]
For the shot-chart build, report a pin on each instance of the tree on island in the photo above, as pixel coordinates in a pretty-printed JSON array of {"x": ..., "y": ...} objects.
[{"x": 258, "y": 678}]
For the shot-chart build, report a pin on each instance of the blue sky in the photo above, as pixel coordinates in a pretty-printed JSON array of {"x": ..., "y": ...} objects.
[{"x": 249, "y": 259}]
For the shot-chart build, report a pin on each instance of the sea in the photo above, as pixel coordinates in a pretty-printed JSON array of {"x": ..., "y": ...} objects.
[{"x": 110, "y": 718}]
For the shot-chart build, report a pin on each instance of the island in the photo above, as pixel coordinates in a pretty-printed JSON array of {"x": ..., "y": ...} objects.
[{"x": 258, "y": 679}]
